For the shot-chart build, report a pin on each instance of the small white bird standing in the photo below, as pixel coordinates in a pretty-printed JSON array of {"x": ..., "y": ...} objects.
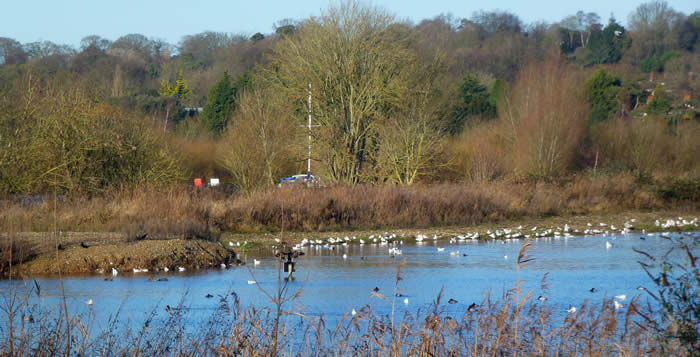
[
  {"x": 345, "y": 256},
  {"x": 180, "y": 269},
  {"x": 256, "y": 262},
  {"x": 114, "y": 272},
  {"x": 353, "y": 312},
  {"x": 608, "y": 245},
  {"x": 571, "y": 310},
  {"x": 617, "y": 305},
  {"x": 405, "y": 301},
  {"x": 89, "y": 302},
  {"x": 230, "y": 244}
]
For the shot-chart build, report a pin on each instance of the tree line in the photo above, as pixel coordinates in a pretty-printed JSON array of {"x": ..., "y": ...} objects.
[{"x": 481, "y": 98}]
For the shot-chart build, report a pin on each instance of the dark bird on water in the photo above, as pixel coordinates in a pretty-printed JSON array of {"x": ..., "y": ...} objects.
[
  {"x": 163, "y": 279},
  {"x": 376, "y": 288},
  {"x": 592, "y": 290},
  {"x": 109, "y": 278},
  {"x": 452, "y": 301},
  {"x": 399, "y": 295},
  {"x": 82, "y": 244},
  {"x": 464, "y": 254},
  {"x": 167, "y": 308},
  {"x": 472, "y": 307},
  {"x": 209, "y": 296}
]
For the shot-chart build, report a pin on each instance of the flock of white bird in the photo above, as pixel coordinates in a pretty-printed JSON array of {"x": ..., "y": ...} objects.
[{"x": 505, "y": 235}]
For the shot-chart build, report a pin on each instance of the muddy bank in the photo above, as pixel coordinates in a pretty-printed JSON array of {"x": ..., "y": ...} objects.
[{"x": 98, "y": 253}]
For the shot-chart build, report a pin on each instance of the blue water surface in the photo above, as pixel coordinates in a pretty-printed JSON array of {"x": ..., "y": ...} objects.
[{"x": 333, "y": 285}]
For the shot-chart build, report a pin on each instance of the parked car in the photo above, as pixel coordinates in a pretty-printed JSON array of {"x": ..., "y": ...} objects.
[{"x": 306, "y": 179}]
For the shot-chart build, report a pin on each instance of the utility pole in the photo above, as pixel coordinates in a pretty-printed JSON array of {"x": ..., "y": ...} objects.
[{"x": 308, "y": 165}]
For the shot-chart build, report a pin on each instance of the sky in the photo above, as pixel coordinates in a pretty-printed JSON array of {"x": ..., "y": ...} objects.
[{"x": 68, "y": 21}]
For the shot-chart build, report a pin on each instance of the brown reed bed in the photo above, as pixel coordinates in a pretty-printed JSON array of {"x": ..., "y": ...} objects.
[{"x": 180, "y": 211}]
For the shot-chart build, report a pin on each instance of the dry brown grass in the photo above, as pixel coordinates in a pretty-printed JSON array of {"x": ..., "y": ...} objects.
[{"x": 178, "y": 211}]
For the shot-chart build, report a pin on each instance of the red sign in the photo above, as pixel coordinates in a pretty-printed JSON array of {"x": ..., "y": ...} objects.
[{"x": 198, "y": 182}]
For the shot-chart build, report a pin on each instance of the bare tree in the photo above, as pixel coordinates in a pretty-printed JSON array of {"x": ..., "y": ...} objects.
[
  {"x": 545, "y": 114},
  {"x": 411, "y": 142},
  {"x": 260, "y": 146},
  {"x": 356, "y": 66}
]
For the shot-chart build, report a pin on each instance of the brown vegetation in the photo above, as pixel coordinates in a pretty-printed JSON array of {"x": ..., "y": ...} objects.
[{"x": 185, "y": 212}]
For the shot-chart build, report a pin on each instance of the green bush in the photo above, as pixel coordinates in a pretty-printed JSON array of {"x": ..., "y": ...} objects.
[{"x": 682, "y": 189}]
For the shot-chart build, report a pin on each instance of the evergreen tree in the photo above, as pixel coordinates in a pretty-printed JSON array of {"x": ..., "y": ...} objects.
[
  {"x": 179, "y": 89},
  {"x": 475, "y": 102},
  {"x": 221, "y": 103},
  {"x": 603, "y": 90},
  {"x": 608, "y": 45}
]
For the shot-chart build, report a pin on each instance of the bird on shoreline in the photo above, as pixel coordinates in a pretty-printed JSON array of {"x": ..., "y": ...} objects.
[
  {"x": 82, "y": 244},
  {"x": 452, "y": 301},
  {"x": 472, "y": 307},
  {"x": 592, "y": 290}
]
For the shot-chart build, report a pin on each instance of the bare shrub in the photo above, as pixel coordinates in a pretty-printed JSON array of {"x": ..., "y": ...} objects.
[
  {"x": 478, "y": 153},
  {"x": 262, "y": 144},
  {"x": 544, "y": 114}
]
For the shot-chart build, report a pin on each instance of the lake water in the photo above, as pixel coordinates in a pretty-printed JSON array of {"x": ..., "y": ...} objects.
[{"x": 334, "y": 285}]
